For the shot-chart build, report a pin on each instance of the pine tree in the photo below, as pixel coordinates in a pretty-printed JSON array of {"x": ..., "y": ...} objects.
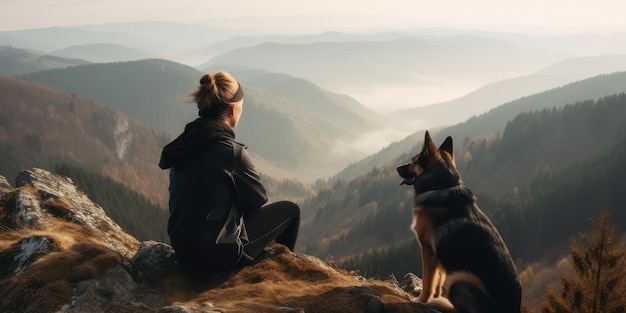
[{"x": 597, "y": 283}]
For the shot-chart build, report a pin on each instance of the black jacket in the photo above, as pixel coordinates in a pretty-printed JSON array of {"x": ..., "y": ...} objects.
[{"x": 201, "y": 191}]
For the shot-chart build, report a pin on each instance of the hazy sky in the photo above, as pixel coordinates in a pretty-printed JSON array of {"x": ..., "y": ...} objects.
[{"x": 23, "y": 14}]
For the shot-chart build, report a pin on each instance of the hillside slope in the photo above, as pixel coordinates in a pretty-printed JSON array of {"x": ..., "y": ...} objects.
[
  {"x": 44, "y": 127},
  {"x": 152, "y": 91}
]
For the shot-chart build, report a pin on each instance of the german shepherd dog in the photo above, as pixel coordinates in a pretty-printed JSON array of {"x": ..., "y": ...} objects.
[{"x": 462, "y": 252}]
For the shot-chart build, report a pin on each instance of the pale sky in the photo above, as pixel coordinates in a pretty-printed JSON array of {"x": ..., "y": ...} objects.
[{"x": 24, "y": 14}]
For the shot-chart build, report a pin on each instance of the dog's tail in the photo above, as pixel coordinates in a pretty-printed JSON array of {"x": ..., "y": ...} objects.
[{"x": 468, "y": 294}]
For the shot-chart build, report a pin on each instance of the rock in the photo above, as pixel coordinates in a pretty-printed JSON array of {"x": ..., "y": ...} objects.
[
  {"x": 392, "y": 280},
  {"x": 27, "y": 210},
  {"x": 59, "y": 252},
  {"x": 186, "y": 309},
  {"x": 375, "y": 305},
  {"x": 22, "y": 254},
  {"x": 411, "y": 284},
  {"x": 153, "y": 261},
  {"x": 85, "y": 213},
  {"x": 5, "y": 187}
]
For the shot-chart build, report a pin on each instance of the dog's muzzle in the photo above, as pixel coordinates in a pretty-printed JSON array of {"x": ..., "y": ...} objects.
[{"x": 408, "y": 176}]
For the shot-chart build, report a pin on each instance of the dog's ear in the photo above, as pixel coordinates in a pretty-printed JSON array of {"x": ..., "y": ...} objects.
[
  {"x": 447, "y": 146},
  {"x": 429, "y": 150}
]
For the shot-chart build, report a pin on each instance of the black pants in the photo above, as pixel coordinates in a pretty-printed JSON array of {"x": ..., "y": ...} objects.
[{"x": 278, "y": 221}]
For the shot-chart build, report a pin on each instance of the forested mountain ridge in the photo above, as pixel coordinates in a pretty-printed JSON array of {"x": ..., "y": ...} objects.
[
  {"x": 152, "y": 91},
  {"x": 364, "y": 222},
  {"x": 496, "y": 119},
  {"x": 494, "y": 94},
  {"x": 43, "y": 127}
]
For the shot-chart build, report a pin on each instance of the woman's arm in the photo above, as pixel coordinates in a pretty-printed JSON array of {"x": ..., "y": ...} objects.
[{"x": 251, "y": 193}]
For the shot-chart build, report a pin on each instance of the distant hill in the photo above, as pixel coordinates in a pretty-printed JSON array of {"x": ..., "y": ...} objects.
[
  {"x": 239, "y": 42},
  {"x": 407, "y": 60},
  {"x": 16, "y": 61},
  {"x": 162, "y": 39},
  {"x": 341, "y": 110},
  {"x": 169, "y": 37},
  {"x": 288, "y": 121},
  {"x": 496, "y": 118},
  {"x": 494, "y": 94},
  {"x": 103, "y": 53},
  {"x": 55, "y": 38}
]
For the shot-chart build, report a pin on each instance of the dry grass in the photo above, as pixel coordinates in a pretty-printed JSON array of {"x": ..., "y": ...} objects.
[
  {"x": 281, "y": 279},
  {"x": 49, "y": 281},
  {"x": 58, "y": 207},
  {"x": 7, "y": 217},
  {"x": 286, "y": 280}
]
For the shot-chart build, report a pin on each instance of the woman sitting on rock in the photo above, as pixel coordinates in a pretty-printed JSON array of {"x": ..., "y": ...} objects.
[{"x": 218, "y": 220}]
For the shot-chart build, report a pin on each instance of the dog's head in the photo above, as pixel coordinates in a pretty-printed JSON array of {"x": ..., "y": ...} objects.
[{"x": 432, "y": 168}]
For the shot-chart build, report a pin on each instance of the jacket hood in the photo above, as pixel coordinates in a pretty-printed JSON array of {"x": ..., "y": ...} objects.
[{"x": 196, "y": 137}]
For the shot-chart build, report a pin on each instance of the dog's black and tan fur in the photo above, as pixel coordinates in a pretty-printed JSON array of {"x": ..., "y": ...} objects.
[{"x": 460, "y": 246}]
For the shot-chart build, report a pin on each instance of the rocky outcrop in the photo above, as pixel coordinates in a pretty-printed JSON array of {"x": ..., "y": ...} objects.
[
  {"x": 60, "y": 252},
  {"x": 5, "y": 187}
]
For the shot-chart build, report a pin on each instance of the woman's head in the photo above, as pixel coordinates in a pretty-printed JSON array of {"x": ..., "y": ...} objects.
[{"x": 219, "y": 96}]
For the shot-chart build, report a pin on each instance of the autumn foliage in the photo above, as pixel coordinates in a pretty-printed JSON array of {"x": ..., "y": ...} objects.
[{"x": 597, "y": 283}]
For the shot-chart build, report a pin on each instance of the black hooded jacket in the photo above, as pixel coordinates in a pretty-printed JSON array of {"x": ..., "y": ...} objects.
[{"x": 201, "y": 190}]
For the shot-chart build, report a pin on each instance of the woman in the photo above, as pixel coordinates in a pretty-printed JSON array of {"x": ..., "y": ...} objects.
[{"x": 217, "y": 219}]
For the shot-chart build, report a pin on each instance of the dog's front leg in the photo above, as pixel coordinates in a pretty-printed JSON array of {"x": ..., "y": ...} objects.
[
  {"x": 429, "y": 271},
  {"x": 440, "y": 278}
]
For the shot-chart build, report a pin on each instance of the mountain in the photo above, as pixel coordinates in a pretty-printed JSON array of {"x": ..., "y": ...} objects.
[
  {"x": 494, "y": 94},
  {"x": 216, "y": 49},
  {"x": 496, "y": 118},
  {"x": 290, "y": 123},
  {"x": 55, "y": 38},
  {"x": 342, "y": 110},
  {"x": 102, "y": 53},
  {"x": 539, "y": 179},
  {"x": 16, "y": 61},
  {"x": 152, "y": 91},
  {"x": 43, "y": 127},
  {"x": 166, "y": 36},
  {"x": 161, "y": 39},
  {"x": 60, "y": 252},
  {"x": 398, "y": 61}
]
